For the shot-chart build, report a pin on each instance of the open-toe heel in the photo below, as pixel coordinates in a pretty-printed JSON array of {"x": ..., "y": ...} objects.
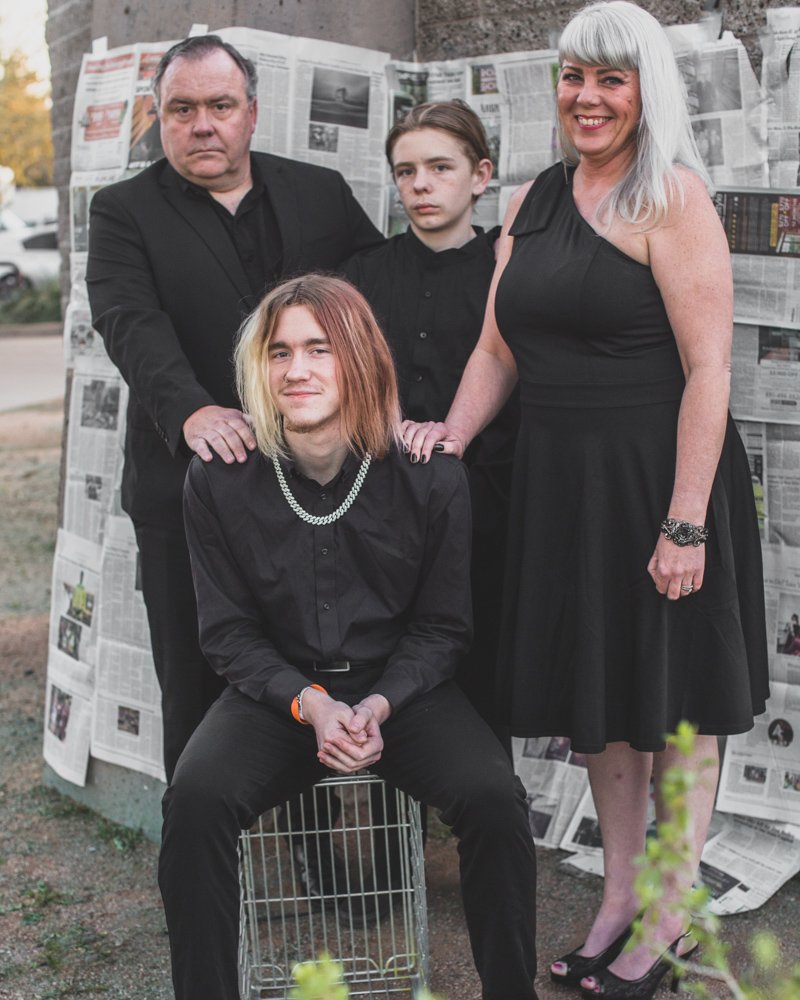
[
  {"x": 580, "y": 966},
  {"x": 613, "y": 987}
]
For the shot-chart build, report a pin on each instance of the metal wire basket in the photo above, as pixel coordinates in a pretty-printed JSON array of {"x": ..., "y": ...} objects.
[{"x": 369, "y": 912}]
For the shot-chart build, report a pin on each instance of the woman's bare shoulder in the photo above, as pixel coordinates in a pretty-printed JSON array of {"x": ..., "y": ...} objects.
[{"x": 514, "y": 204}]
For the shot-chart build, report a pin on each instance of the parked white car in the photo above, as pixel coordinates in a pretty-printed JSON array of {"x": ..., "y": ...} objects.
[{"x": 33, "y": 250}]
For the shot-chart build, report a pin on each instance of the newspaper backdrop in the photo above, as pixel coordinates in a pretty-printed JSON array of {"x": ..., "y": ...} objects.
[{"x": 332, "y": 104}]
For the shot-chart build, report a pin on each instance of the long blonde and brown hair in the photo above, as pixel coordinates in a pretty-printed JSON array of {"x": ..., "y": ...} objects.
[{"x": 370, "y": 405}]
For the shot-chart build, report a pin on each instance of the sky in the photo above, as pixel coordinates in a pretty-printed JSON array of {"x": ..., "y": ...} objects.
[{"x": 22, "y": 27}]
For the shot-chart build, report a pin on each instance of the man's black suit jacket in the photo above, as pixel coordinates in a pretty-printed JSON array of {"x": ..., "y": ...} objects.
[{"x": 168, "y": 294}]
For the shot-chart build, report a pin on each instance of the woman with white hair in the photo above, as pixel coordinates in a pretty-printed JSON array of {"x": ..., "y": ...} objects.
[{"x": 632, "y": 506}]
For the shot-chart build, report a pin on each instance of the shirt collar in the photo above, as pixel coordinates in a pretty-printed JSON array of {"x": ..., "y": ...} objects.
[
  {"x": 441, "y": 258},
  {"x": 345, "y": 473}
]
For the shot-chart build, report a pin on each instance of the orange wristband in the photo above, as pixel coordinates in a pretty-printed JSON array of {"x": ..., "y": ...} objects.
[{"x": 297, "y": 703}]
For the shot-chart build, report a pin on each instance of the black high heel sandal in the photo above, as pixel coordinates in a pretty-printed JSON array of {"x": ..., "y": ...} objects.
[
  {"x": 580, "y": 966},
  {"x": 613, "y": 987}
]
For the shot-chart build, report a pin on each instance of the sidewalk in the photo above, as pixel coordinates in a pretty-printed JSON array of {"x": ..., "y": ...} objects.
[{"x": 31, "y": 365}]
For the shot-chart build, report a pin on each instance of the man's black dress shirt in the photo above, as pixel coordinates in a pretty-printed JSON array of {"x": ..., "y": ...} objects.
[
  {"x": 389, "y": 580},
  {"x": 253, "y": 230}
]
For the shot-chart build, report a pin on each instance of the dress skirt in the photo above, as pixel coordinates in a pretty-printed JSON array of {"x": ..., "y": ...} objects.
[{"x": 589, "y": 648}]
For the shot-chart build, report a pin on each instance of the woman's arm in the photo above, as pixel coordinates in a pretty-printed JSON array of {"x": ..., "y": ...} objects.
[
  {"x": 691, "y": 264},
  {"x": 488, "y": 379}
]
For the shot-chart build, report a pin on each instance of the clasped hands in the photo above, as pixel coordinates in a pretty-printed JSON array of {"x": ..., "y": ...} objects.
[{"x": 348, "y": 739}]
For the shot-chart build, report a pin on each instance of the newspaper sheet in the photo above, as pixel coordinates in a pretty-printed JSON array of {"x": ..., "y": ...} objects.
[
  {"x": 747, "y": 862},
  {"x": 582, "y": 834},
  {"x": 68, "y": 717},
  {"x": 82, "y": 188},
  {"x": 727, "y": 109},
  {"x": 71, "y": 655},
  {"x": 101, "y": 123},
  {"x": 123, "y": 616},
  {"x": 338, "y": 116},
  {"x": 782, "y": 594},
  {"x": 74, "y": 600},
  {"x": 783, "y": 488},
  {"x": 780, "y": 82},
  {"x": 126, "y": 717},
  {"x": 761, "y": 770},
  {"x": 765, "y": 376},
  {"x": 583, "y": 837},
  {"x": 94, "y": 443},
  {"x": 527, "y": 81},
  {"x": 763, "y": 230},
  {"x": 555, "y": 779},
  {"x": 126, "y": 723},
  {"x": 744, "y": 863},
  {"x": 145, "y": 146},
  {"x": 81, "y": 340}
]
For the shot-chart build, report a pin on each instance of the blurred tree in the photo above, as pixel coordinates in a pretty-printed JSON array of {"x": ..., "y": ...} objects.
[{"x": 25, "y": 137}]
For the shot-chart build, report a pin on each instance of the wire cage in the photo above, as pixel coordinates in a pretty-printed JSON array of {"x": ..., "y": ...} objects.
[{"x": 368, "y": 911}]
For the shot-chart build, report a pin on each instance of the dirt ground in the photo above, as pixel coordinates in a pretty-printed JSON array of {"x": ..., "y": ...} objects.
[{"x": 80, "y": 914}]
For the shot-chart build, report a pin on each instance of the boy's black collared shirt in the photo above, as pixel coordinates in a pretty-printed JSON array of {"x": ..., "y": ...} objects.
[{"x": 389, "y": 580}]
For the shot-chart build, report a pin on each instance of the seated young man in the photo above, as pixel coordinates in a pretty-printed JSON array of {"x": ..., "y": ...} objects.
[{"x": 332, "y": 581}]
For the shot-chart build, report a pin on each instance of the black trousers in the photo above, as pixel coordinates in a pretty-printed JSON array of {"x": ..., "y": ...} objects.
[
  {"x": 245, "y": 758},
  {"x": 188, "y": 684}
]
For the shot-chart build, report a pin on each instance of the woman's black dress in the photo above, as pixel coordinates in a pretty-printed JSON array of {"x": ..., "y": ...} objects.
[{"x": 590, "y": 649}]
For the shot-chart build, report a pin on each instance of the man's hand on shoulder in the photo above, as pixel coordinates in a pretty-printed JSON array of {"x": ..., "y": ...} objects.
[
  {"x": 348, "y": 739},
  {"x": 218, "y": 429}
]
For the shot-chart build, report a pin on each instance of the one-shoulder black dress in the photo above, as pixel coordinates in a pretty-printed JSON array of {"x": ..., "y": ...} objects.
[{"x": 590, "y": 649}]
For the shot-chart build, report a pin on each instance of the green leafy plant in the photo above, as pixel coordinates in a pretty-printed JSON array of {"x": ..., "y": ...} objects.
[
  {"x": 320, "y": 980},
  {"x": 33, "y": 305},
  {"x": 122, "y": 837},
  {"x": 767, "y": 977}
]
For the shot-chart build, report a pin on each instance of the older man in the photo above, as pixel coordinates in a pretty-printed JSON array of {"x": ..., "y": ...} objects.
[
  {"x": 178, "y": 256},
  {"x": 332, "y": 579}
]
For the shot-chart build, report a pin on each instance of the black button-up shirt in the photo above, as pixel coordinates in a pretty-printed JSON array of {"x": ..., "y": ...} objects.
[
  {"x": 253, "y": 230},
  {"x": 389, "y": 580}
]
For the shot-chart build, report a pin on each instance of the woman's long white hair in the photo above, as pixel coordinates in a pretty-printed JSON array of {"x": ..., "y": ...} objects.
[{"x": 621, "y": 35}]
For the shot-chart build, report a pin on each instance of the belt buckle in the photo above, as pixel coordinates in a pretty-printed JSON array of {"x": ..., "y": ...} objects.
[{"x": 335, "y": 667}]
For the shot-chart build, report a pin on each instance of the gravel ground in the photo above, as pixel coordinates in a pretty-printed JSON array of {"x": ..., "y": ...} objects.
[{"x": 80, "y": 914}]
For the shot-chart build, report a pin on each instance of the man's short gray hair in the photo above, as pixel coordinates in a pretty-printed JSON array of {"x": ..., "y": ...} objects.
[{"x": 198, "y": 47}]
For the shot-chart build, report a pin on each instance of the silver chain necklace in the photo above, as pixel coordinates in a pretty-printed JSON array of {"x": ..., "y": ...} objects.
[{"x": 343, "y": 508}]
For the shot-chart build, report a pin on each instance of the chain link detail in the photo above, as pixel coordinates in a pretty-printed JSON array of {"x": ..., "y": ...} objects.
[{"x": 343, "y": 508}]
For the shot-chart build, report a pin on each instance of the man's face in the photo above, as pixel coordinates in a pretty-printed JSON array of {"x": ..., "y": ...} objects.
[
  {"x": 302, "y": 373},
  {"x": 206, "y": 121}
]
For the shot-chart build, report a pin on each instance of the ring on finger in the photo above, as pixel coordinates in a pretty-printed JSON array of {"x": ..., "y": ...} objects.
[{"x": 687, "y": 589}]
